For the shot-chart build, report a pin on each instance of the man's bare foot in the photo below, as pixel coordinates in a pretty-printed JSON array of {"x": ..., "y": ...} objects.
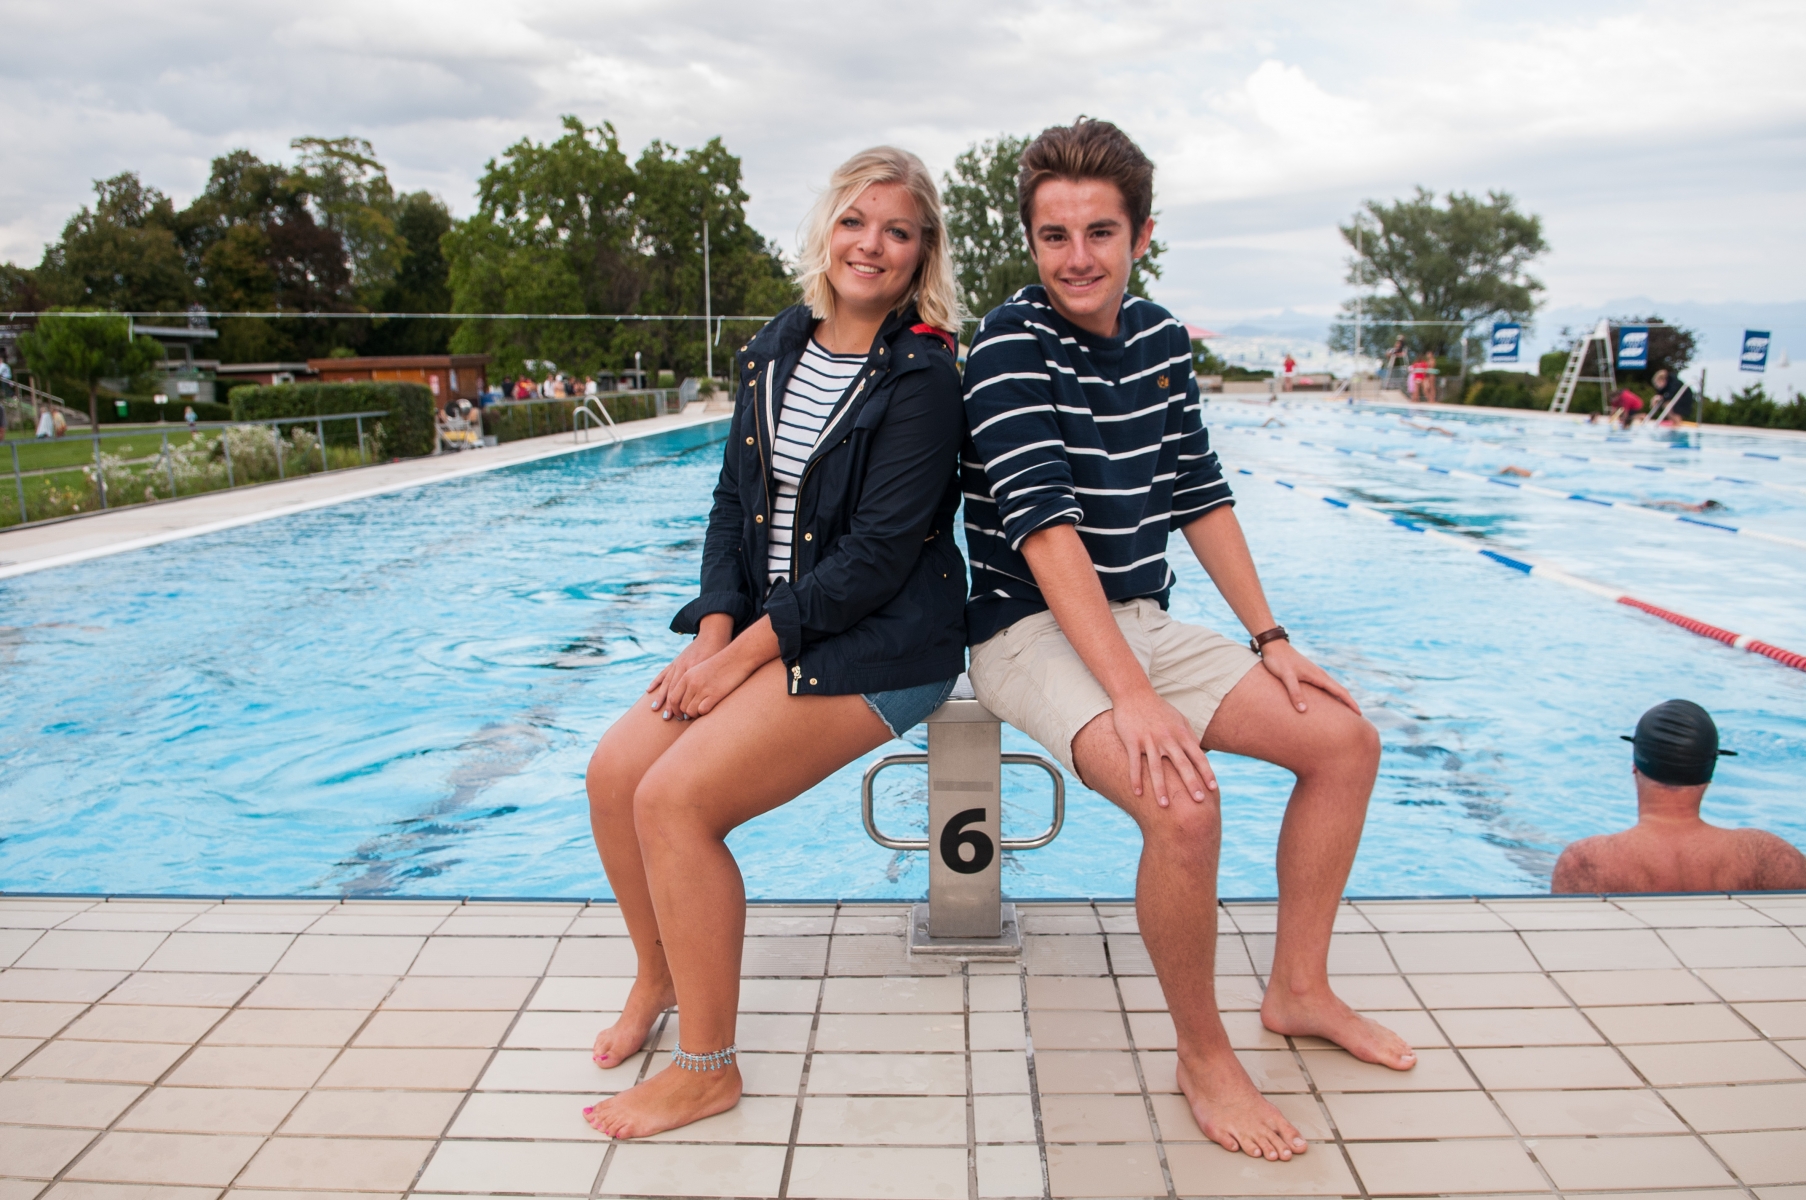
[
  {"x": 1233, "y": 1114},
  {"x": 622, "y": 1040},
  {"x": 669, "y": 1099},
  {"x": 1322, "y": 1014}
]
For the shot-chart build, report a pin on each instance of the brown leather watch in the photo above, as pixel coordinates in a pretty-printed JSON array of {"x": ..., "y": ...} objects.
[{"x": 1276, "y": 634}]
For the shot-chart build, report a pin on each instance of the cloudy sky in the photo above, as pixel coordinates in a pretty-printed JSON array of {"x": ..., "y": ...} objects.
[{"x": 1663, "y": 143}]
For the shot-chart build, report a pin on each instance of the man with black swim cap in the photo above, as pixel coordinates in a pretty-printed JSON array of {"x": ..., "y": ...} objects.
[{"x": 1675, "y": 751}]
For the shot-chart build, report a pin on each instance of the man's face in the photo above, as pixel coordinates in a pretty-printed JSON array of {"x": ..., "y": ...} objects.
[{"x": 1083, "y": 248}]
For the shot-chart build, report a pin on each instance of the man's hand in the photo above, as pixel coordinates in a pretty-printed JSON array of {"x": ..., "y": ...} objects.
[
  {"x": 1151, "y": 730},
  {"x": 716, "y": 631},
  {"x": 1293, "y": 670}
]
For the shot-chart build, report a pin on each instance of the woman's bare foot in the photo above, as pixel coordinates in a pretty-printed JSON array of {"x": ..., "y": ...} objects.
[
  {"x": 1232, "y": 1112},
  {"x": 622, "y": 1040},
  {"x": 669, "y": 1099},
  {"x": 1322, "y": 1014}
]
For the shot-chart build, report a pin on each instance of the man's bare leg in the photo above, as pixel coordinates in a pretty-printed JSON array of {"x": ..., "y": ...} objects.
[
  {"x": 1176, "y": 908},
  {"x": 1335, "y": 753},
  {"x": 631, "y": 745},
  {"x": 758, "y": 749}
]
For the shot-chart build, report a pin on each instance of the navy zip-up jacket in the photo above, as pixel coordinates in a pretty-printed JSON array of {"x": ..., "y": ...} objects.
[{"x": 876, "y": 599}]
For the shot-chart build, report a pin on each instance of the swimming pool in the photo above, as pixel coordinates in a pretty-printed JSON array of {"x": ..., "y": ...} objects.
[{"x": 397, "y": 695}]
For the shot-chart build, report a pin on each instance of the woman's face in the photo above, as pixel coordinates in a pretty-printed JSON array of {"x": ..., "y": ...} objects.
[{"x": 875, "y": 249}]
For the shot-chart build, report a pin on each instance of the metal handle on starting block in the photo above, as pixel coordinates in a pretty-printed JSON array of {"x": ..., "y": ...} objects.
[{"x": 921, "y": 760}]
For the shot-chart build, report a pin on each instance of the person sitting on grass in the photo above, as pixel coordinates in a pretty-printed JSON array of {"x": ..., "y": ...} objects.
[
  {"x": 1087, "y": 451},
  {"x": 1670, "y": 849},
  {"x": 831, "y": 617}
]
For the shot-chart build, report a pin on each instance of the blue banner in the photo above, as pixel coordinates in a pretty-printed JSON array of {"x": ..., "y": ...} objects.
[
  {"x": 1755, "y": 351},
  {"x": 1633, "y": 347},
  {"x": 1505, "y": 338}
]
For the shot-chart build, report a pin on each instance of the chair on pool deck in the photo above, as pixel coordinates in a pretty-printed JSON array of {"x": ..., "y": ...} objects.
[{"x": 965, "y": 913}]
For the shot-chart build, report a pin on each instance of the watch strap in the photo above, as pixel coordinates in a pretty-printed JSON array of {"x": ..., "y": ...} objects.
[{"x": 1276, "y": 634}]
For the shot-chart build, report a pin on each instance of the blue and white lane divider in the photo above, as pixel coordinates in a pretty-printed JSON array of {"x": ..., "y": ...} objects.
[
  {"x": 1554, "y": 493},
  {"x": 1529, "y": 566}
]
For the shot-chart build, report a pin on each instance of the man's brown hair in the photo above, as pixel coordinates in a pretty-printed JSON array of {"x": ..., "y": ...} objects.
[{"x": 1087, "y": 149}]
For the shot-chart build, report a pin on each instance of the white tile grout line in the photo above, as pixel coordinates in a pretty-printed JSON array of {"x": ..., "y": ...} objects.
[
  {"x": 481, "y": 466},
  {"x": 1141, "y": 1078}
]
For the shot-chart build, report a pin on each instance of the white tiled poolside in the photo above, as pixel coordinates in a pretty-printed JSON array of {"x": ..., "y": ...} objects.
[{"x": 181, "y": 1050}]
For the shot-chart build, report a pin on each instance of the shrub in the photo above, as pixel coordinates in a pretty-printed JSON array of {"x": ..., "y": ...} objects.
[
  {"x": 146, "y": 412},
  {"x": 1506, "y": 389},
  {"x": 511, "y": 423},
  {"x": 1754, "y": 407},
  {"x": 409, "y": 430}
]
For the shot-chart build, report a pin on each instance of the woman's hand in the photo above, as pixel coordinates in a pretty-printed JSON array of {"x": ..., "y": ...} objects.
[
  {"x": 708, "y": 682},
  {"x": 717, "y": 630},
  {"x": 1293, "y": 669}
]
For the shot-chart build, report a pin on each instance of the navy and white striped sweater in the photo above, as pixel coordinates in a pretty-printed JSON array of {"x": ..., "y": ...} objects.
[{"x": 1070, "y": 428}]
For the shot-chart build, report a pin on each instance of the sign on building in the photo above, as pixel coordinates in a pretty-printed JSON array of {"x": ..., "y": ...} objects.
[
  {"x": 1505, "y": 338},
  {"x": 1633, "y": 347},
  {"x": 1755, "y": 351}
]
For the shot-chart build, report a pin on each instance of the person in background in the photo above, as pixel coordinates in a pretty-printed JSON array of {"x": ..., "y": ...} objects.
[
  {"x": 6, "y": 378},
  {"x": 1423, "y": 378},
  {"x": 1626, "y": 405},
  {"x": 1289, "y": 368},
  {"x": 1670, "y": 390},
  {"x": 1670, "y": 849},
  {"x": 46, "y": 423},
  {"x": 188, "y": 416}
]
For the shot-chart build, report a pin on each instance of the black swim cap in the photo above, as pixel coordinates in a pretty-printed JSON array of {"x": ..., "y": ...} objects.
[{"x": 1677, "y": 744}]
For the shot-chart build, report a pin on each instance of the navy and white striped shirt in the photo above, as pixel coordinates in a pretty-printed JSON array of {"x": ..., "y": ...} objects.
[
  {"x": 812, "y": 396},
  {"x": 1071, "y": 428}
]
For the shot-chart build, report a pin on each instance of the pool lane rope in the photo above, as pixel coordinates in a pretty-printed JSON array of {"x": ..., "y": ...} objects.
[
  {"x": 1552, "y": 493},
  {"x": 1527, "y": 566}
]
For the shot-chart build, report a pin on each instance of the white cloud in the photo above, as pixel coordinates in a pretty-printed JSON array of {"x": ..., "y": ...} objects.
[{"x": 1661, "y": 141}]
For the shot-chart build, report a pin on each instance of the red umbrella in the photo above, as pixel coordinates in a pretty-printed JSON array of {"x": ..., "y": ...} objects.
[{"x": 1198, "y": 333}]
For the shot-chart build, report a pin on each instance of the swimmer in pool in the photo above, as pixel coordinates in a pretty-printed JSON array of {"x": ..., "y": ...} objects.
[
  {"x": 1683, "y": 506},
  {"x": 1515, "y": 472},
  {"x": 1427, "y": 428},
  {"x": 1670, "y": 849}
]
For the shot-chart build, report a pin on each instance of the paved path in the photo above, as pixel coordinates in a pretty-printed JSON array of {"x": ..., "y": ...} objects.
[
  {"x": 43, "y": 546},
  {"x": 280, "y": 1048}
]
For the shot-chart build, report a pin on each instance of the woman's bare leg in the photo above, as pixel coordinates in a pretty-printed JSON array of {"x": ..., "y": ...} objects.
[
  {"x": 758, "y": 749},
  {"x": 631, "y": 745}
]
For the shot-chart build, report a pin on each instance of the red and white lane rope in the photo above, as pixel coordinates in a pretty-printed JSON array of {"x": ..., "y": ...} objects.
[
  {"x": 1552, "y": 493},
  {"x": 1517, "y": 562}
]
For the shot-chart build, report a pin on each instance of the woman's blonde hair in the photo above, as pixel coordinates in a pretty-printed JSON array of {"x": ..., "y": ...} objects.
[{"x": 934, "y": 291}]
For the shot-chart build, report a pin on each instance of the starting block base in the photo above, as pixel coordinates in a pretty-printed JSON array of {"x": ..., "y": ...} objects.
[{"x": 1008, "y": 944}]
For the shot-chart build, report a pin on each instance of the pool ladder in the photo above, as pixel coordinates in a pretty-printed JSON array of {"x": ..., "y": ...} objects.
[{"x": 965, "y": 914}]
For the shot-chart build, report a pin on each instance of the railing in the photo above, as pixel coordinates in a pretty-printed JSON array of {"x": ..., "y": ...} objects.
[
  {"x": 588, "y": 415},
  {"x": 965, "y": 913},
  {"x": 284, "y": 451}
]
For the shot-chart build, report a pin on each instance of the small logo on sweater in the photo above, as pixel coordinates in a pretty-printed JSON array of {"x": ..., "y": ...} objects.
[{"x": 1161, "y": 381}]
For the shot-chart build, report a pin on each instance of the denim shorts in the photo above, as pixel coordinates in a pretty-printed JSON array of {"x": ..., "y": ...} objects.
[{"x": 905, "y": 708}]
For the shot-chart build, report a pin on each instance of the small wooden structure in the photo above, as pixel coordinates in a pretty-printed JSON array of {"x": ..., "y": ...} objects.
[{"x": 451, "y": 377}]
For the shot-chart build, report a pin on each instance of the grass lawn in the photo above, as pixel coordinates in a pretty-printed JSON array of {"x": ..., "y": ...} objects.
[{"x": 74, "y": 450}]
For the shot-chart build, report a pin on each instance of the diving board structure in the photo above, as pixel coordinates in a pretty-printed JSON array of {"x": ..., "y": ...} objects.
[{"x": 1571, "y": 376}]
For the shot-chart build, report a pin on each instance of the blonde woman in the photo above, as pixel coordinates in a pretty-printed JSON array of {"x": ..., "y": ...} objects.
[{"x": 831, "y": 617}]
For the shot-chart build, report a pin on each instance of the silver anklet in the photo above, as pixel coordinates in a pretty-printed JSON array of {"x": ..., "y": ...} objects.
[{"x": 714, "y": 1060}]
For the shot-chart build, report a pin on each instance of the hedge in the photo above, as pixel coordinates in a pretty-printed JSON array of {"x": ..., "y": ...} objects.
[
  {"x": 1755, "y": 408},
  {"x": 408, "y": 431},
  {"x": 146, "y": 412},
  {"x": 511, "y": 423}
]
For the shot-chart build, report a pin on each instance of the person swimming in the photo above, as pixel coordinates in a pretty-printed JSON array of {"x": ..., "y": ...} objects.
[
  {"x": 1683, "y": 506},
  {"x": 1670, "y": 849}
]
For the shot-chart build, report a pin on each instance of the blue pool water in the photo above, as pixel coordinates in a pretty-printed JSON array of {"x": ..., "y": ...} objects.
[{"x": 398, "y": 695}]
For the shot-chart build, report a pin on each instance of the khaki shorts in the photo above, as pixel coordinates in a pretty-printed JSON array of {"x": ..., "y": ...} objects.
[{"x": 1031, "y": 677}]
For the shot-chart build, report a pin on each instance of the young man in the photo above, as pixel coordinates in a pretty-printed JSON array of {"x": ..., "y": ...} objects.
[
  {"x": 1670, "y": 849},
  {"x": 1087, "y": 448}
]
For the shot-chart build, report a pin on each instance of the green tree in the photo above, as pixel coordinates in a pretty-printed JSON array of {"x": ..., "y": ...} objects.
[
  {"x": 984, "y": 226},
  {"x": 85, "y": 350},
  {"x": 123, "y": 254},
  {"x": 1457, "y": 265},
  {"x": 350, "y": 194},
  {"x": 571, "y": 226}
]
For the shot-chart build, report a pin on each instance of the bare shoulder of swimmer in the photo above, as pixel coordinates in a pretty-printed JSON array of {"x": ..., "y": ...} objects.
[
  {"x": 1774, "y": 864},
  {"x": 1577, "y": 870}
]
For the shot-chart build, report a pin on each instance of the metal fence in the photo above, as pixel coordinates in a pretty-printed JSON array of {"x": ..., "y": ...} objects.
[{"x": 236, "y": 474}]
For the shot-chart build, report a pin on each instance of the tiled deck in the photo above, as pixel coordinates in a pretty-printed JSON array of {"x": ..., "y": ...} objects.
[{"x": 161, "y": 1050}]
